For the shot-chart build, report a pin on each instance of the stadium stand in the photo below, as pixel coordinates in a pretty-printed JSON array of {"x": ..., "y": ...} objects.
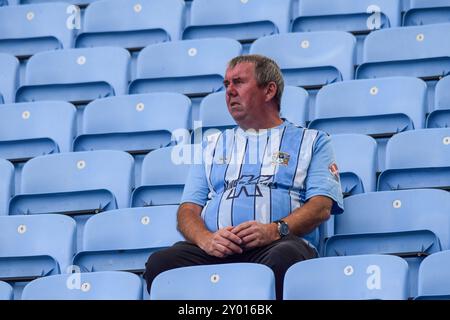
[
  {"x": 6, "y": 185},
  {"x": 9, "y": 77}
]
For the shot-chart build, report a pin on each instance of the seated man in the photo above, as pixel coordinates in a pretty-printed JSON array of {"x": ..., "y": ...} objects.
[{"x": 261, "y": 186}]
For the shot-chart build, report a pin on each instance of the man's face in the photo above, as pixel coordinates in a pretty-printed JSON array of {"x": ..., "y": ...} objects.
[{"x": 243, "y": 95}]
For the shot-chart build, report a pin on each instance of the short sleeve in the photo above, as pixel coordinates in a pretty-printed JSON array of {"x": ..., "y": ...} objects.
[
  {"x": 196, "y": 188},
  {"x": 323, "y": 175}
]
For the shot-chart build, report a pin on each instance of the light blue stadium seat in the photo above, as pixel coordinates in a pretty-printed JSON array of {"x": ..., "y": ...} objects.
[
  {"x": 163, "y": 175},
  {"x": 6, "y": 185},
  {"x": 110, "y": 285},
  {"x": 231, "y": 281},
  {"x": 131, "y": 25},
  {"x": 363, "y": 277},
  {"x": 123, "y": 239},
  {"x": 359, "y": 17},
  {"x": 37, "y": 128},
  {"x": 6, "y": 291},
  {"x": 9, "y": 77},
  {"x": 75, "y": 75},
  {"x": 35, "y": 246},
  {"x": 80, "y": 3},
  {"x": 417, "y": 159},
  {"x": 440, "y": 116},
  {"x": 409, "y": 223},
  {"x": 422, "y": 12},
  {"x": 408, "y": 51},
  {"x": 244, "y": 21},
  {"x": 434, "y": 277},
  {"x": 28, "y": 29}
]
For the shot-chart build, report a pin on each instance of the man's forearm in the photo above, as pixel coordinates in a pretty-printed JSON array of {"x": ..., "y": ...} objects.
[{"x": 190, "y": 223}]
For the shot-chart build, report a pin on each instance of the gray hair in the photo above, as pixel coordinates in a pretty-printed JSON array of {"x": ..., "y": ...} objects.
[{"x": 266, "y": 70}]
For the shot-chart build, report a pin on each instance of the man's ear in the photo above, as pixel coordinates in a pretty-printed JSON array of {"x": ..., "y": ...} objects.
[{"x": 271, "y": 91}]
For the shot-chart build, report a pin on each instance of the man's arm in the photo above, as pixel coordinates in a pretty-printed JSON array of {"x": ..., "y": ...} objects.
[{"x": 220, "y": 243}]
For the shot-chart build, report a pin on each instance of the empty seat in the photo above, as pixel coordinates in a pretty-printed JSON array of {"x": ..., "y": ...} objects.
[
  {"x": 32, "y": 129},
  {"x": 163, "y": 175},
  {"x": 440, "y": 116},
  {"x": 231, "y": 281},
  {"x": 347, "y": 278},
  {"x": 417, "y": 159},
  {"x": 408, "y": 223},
  {"x": 9, "y": 77},
  {"x": 422, "y": 12},
  {"x": 131, "y": 25},
  {"x": 28, "y": 29},
  {"x": 6, "y": 185},
  {"x": 123, "y": 239},
  {"x": 75, "y": 75},
  {"x": 357, "y": 16},
  {"x": 244, "y": 21},
  {"x": 35, "y": 246},
  {"x": 80, "y": 3},
  {"x": 6, "y": 291},
  {"x": 112, "y": 285},
  {"x": 434, "y": 277}
]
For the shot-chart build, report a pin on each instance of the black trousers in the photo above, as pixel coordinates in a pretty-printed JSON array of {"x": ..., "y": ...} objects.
[{"x": 278, "y": 256}]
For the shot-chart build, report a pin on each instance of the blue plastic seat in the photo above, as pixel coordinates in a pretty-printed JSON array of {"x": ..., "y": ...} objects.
[
  {"x": 6, "y": 185},
  {"x": 75, "y": 75},
  {"x": 112, "y": 285},
  {"x": 32, "y": 129},
  {"x": 409, "y": 223},
  {"x": 310, "y": 59},
  {"x": 131, "y": 25},
  {"x": 6, "y": 291},
  {"x": 35, "y": 246},
  {"x": 9, "y": 77},
  {"x": 28, "y": 29},
  {"x": 163, "y": 175},
  {"x": 359, "y": 17},
  {"x": 347, "y": 278},
  {"x": 417, "y": 159},
  {"x": 422, "y": 12},
  {"x": 123, "y": 239},
  {"x": 244, "y": 21},
  {"x": 80, "y": 3},
  {"x": 434, "y": 277},
  {"x": 440, "y": 116},
  {"x": 231, "y": 281}
]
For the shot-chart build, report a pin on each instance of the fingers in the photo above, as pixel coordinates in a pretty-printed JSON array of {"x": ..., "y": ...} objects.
[
  {"x": 242, "y": 226},
  {"x": 227, "y": 234}
]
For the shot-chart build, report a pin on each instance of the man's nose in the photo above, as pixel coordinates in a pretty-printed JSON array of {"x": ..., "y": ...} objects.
[{"x": 231, "y": 90}]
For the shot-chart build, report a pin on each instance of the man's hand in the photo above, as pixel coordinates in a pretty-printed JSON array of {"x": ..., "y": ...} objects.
[
  {"x": 255, "y": 234},
  {"x": 222, "y": 243}
]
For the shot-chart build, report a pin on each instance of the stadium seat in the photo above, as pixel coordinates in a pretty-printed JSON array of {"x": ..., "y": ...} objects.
[
  {"x": 359, "y": 17},
  {"x": 28, "y": 29},
  {"x": 409, "y": 223},
  {"x": 363, "y": 277},
  {"x": 434, "y": 277},
  {"x": 244, "y": 21},
  {"x": 163, "y": 175},
  {"x": 131, "y": 25},
  {"x": 417, "y": 159},
  {"x": 231, "y": 281},
  {"x": 37, "y": 128},
  {"x": 35, "y": 246},
  {"x": 9, "y": 77},
  {"x": 6, "y": 291},
  {"x": 440, "y": 116},
  {"x": 422, "y": 12},
  {"x": 408, "y": 51},
  {"x": 110, "y": 285},
  {"x": 75, "y": 75},
  {"x": 123, "y": 239},
  {"x": 6, "y": 185}
]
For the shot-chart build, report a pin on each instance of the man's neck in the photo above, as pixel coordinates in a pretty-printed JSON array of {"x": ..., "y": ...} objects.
[{"x": 256, "y": 126}]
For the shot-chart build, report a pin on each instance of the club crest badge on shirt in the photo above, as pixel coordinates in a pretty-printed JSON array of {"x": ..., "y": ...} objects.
[
  {"x": 333, "y": 168},
  {"x": 281, "y": 158}
]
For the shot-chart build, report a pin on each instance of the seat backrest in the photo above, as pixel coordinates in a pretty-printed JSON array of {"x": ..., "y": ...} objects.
[
  {"x": 37, "y": 235},
  {"x": 347, "y": 278},
  {"x": 434, "y": 276},
  {"x": 9, "y": 77},
  {"x": 107, "y": 285},
  {"x": 80, "y": 171},
  {"x": 28, "y": 29},
  {"x": 442, "y": 95},
  {"x": 6, "y": 185},
  {"x": 422, "y": 12},
  {"x": 6, "y": 291},
  {"x": 231, "y": 281}
]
